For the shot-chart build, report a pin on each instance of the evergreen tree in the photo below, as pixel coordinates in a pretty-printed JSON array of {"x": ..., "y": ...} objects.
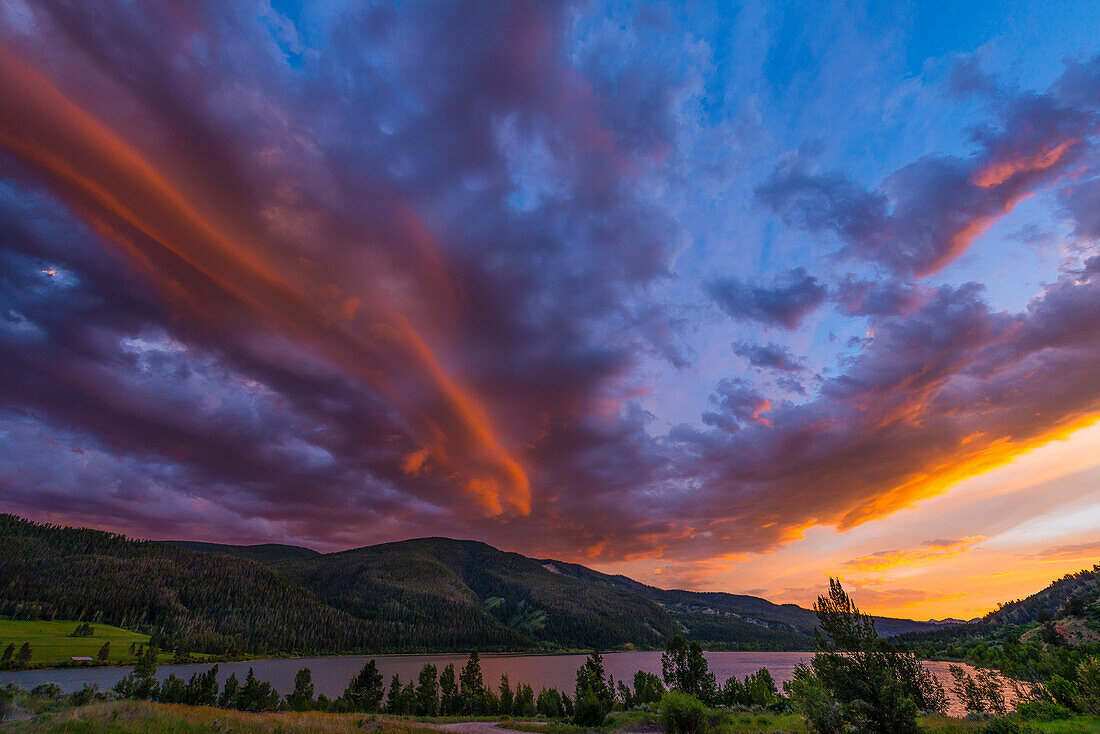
[
  {"x": 549, "y": 703},
  {"x": 449, "y": 703},
  {"x": 257, "y": 695},
  {"x": 473, "y": 687},
  {"x": 146, "y": 666},
  {"x": 202, "y": 688},
  {"x": 364, "y": 692},
  {"x": 408, "y": 698},
  {"x": 5, "y": 658},
  {"x": 301, "y": 698},
  {"x": 427, "y": 692},
  {"x": 172, "y": 690},
  {"x": 23, "y": 657},
  {"x": 506, "y": 696},
  {"x": 104, "y": 652},
  {"x": 525, "y": 701},
  {"x": 232, "y": 689},
  {"x": 394, "y": 704},
  {"x": 141, "y": 683},
  {"x": 858, "y": 682},
  {"x": 593, "y": 695}
]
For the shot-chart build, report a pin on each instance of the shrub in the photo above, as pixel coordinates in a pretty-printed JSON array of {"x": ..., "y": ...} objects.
[
  {"x": 46, "y": 690},
  {"x": 1042, "y": 711},
  {"x": 817, "y": 706},
  {"x": 588, "y": 710},
  {"x": 1088, "y": 689},
  {"x": 682, "y": 714},
  {"x": 85, "y": 695},
  {"x": 1006, "y": 726}
]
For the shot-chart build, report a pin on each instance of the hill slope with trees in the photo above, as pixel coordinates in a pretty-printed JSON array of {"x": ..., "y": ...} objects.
[{"x": 430, "y": 594}]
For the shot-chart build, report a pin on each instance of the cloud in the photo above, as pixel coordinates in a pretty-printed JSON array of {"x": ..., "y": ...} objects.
[
  {"x": 1086, "y": 551},
  {"x": 929, "y": 551},
  {"x": 855, "y": 297},
  {"x": 295, "y": 248},
  {"x": 736, "y": 404},
  {"x": 936, "y": 396},
  {"x": 768, "y": 356},
  {"x": 927, "y": 213},
  {"x": 784, "y": 302},
  {"x": 258, "y": 284}
]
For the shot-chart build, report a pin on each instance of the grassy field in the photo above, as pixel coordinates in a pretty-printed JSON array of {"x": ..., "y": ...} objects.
[
  {"x": 124, "y": 717},
  {"x": 1075, "y": 725},
  {"x": 51, "y": 642}
]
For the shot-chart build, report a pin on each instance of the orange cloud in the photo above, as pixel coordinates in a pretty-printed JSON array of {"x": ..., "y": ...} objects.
[
  {"x": 1090, "y": 551},
  {"x": 928, "y": 552},
  {"x": 999, "y": 171},
  {"x": 221, "y": 272}
]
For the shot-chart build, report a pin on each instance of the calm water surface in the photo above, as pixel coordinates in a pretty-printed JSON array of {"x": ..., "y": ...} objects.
[{"x": 331, "y": 674}]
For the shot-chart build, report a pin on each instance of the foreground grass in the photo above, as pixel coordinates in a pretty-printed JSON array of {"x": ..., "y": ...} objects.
[
  {"x": 124, "y": 717},
  {"x": 130, "y": 717},
  {"x": 1075, "y": 725},
  {"x": 51, "y": 642}
]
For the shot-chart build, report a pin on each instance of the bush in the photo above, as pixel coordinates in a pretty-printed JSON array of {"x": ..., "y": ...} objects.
[
  {"x": 85, "y": 695},
  {"x": 46, "y": 690},
  {"x": 683, "y": 714},
  {"x": 588, "y": 710},
  {"x": 1042, "y": 711},
  {"x": 822, "y": 712},
  {"x": 1006, "y": 726},
  {"x": 1088, "y": 694}
]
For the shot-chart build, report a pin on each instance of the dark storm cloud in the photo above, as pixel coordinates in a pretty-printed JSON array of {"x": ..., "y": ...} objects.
[{"x": 784, "y": 301}]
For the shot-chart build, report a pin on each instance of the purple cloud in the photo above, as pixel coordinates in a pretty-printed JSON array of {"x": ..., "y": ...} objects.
[
  {"x": 256, "y": 283},
  {"x": 784, "y": 302},
  {"x": 926, "y": 214},
  {"x": 768, "y": 356}
]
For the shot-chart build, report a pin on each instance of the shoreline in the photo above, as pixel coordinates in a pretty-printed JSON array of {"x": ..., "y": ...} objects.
[{"x": 514, "y": 653}]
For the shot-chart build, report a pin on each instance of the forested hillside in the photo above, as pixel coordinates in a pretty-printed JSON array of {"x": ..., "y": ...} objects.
[
  {"x": 431, "y": 594},
  {"x": 1029, "y": 638},
  {"x": 701, "y": 611},
  {"x": 216, "y": 603}
]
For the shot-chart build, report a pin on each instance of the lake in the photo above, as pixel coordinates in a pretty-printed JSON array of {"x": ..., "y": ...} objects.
[{"x": 331, "y": 674}]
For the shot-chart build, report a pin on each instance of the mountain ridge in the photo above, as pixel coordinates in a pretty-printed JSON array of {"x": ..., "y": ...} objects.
[{"x": 419, "y": 595}]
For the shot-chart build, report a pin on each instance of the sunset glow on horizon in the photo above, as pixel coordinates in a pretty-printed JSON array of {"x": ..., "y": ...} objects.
[{"x": 727, "y": 299}]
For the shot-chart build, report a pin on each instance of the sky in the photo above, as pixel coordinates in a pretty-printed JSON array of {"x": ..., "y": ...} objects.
[{"x": 720, "y": 296}]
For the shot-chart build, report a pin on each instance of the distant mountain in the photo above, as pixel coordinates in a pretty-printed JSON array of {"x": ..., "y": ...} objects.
[{"x": 430, "y": 594}]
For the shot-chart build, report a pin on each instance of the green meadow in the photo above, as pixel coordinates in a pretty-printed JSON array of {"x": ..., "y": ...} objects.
[{"x": 53, "y": 643}]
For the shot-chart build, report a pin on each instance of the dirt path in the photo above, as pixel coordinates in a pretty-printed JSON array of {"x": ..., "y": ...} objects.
[{"x": 476, "y": 727}]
